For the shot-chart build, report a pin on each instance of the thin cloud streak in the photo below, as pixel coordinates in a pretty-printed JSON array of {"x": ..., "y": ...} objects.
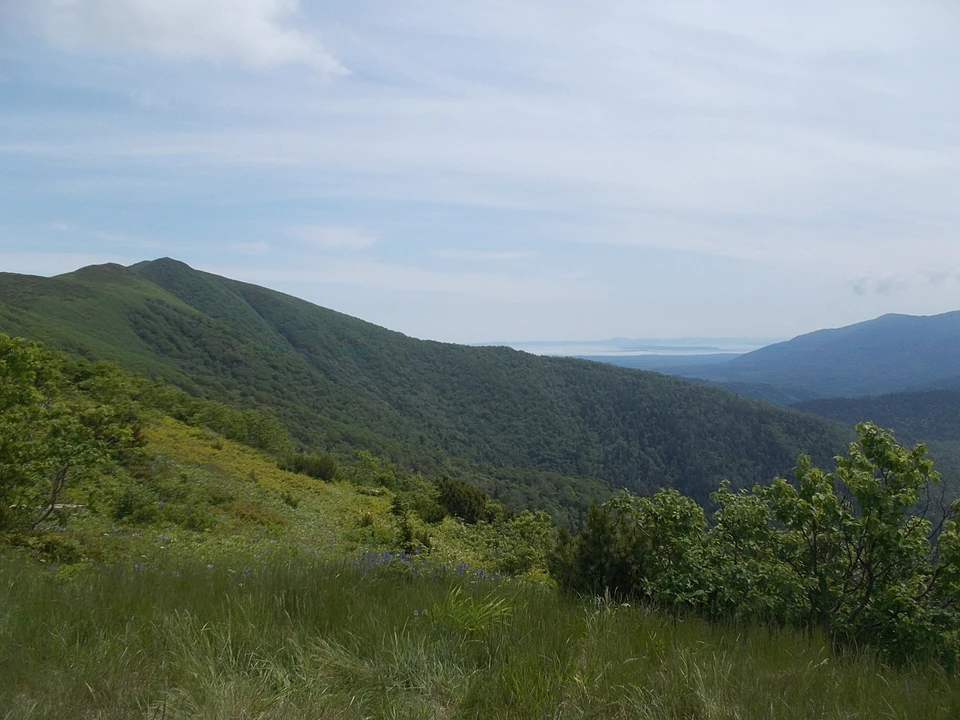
[
  {"x": 254, "y": 33},
  {"x": 334, "y": 238},
  {"x": 377, "y": 275},
  {"x": 483, "y": 255}
]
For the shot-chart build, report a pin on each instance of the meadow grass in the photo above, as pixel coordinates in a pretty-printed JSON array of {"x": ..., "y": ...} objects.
[{"x": 291, "y": 635}]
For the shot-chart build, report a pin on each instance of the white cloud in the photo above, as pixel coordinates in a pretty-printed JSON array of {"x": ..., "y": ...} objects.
[
  {"x": 482, "y": 255},
  {"x": 254, "y": 33},
  {"x": 48, "y": 264},
  {"x": 252, "y": 248},
  {"x": 148, "y": 101},
  {"x": 58, "y": 226},
  {"x": 367, "y": 273},
  {"x": 334, "y": 238},
  {"x": 813, "y": 143}
]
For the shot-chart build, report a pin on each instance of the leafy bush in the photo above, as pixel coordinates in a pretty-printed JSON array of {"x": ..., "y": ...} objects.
[
  {"x": 51, "y": 433},
  {"x": 845, "y": 551},
  {"x": 368, "y": 469},
  {"x": 136, "y": 504}
]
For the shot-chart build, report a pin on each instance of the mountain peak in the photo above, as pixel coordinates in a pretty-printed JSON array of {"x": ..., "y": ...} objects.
[
  {"x": 108, "y": 271},
  {"x": 162, "y": 263}
]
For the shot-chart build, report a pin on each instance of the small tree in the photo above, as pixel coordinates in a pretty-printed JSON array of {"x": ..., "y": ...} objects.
[
  {"x": 869, "y": 559},
  {"x": 50, "y": 434}
]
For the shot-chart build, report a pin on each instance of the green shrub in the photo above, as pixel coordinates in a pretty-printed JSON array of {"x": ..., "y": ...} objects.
[
  {"x": 842, "y": 552},
  {"x": 137, "y": 505},
  {"x": 462, "y": 500},
  {"x": 319, "y": 467}
]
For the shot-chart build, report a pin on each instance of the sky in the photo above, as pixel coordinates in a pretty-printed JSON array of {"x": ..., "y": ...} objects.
[{"x": 498, "y": 170}]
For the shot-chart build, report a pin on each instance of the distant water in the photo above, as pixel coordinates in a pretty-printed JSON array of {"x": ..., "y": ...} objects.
[{"x": 625, "y": 347}]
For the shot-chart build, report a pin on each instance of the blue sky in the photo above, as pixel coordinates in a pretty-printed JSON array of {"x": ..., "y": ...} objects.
[{"x": 493, "y": 170}]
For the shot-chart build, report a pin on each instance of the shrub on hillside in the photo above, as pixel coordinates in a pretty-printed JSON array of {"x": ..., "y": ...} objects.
[
  {"x": 318, "y": 466},
  {"x": 841, "y": 551},
  {"x": 462, "y": 500}
]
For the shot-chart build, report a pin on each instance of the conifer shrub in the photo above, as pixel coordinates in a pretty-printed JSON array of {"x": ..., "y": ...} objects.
[{"x": 461, "y": 500}]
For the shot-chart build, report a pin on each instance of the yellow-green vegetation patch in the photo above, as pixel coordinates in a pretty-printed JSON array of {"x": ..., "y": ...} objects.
[{"x": 256, "y": 494}]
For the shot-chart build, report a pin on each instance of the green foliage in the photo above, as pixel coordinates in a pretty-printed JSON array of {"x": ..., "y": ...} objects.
[
  {"x": 136, "y": 504},
  {"x": 368, "y": 469},
  {"x": 871, "y": 570},
  {"x": 462, "y": 500},
  {"x": 917, "y": 416},
  {"x": 320, "y": 467},
  {"x": 840, "y": 551},
  {"x": 258, "y": 429},
  {"x": 51, "y": 433},
  {"x": 520, "y": 543},
  {"x": 647, "y": 547},
  {"x": 290, "y": 636}
]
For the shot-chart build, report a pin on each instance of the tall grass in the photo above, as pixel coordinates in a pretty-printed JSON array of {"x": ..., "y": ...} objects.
[{"x": 381, "y": 638}]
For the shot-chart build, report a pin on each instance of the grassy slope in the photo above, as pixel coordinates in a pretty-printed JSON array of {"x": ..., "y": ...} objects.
[
  {"x": 492, "y": 415},
  {"x": 273, "y": 613},
  {"x": 297, "y": 637},
  {"x": 246, "y": 595},
  {"x": 218, "y": 498}
]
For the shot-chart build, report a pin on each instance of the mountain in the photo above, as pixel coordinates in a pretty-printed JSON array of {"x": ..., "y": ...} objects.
[
  {"x": 892, "y": 353},
  {"x": 661, "y": 363},
  {"x": 929, "y": 416},
  {"x": 534, "y": 431},
  {"x": 915, "y": 416}
]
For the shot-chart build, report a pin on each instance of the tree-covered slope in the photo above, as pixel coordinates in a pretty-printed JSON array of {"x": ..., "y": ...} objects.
[
  {"x": 336, "y": 381},
  {"x": 915, "y": 416},
  {"x": 929, "y": 416},
  {"x": 889, "y": 354}
]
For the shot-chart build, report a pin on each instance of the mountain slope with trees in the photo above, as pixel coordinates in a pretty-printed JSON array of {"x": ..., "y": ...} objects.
[
  {"x": 507, "y": 420},
  {"x": 922, "y": 416},
  {"x": 891, "y": 353}
]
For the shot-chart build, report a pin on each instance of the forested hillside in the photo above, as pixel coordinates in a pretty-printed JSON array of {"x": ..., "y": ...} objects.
[
  {"x": 891, "y": 353},
  {"x": 916, "y": 416},
  {"x": 929, "y": 416},
  {"x": 531, "y": 430}
]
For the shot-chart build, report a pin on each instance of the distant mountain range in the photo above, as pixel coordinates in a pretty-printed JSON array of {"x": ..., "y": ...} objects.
[
  {"x": 900, "y": 371},
  {"x": 892, "y": 353},
  {"x": 534, "y": 431},
  {"x": 641, "y": 348}
]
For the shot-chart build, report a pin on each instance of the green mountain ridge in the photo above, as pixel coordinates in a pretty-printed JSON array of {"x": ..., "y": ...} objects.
[
  {"x": 533, "y": 431},
  {"x": 920, "y": 416},
  {"x": 891, "y": 353}
]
